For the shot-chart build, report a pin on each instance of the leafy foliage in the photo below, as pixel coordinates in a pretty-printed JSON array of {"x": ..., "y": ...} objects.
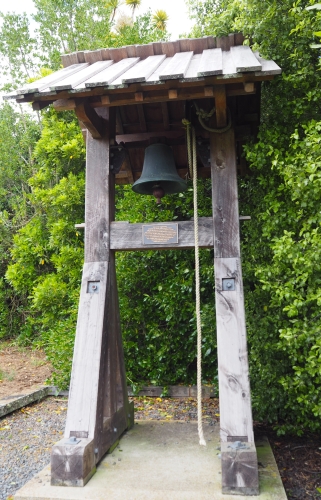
[
  {"x": 17, "y": 133},
  {"x": 48, "y": 252},
  {"x": 41, "y": 252},
  {"x": 71, "y": 25},
  {"x": 157, "y": 297},
  {"x": 282, "y": 243}
]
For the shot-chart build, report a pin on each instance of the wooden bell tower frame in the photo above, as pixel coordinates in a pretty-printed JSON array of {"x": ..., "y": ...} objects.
[{"x": 144, "y": 102}]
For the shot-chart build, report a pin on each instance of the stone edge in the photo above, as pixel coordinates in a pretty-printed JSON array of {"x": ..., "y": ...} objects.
[{"x": 174, "y": 391}]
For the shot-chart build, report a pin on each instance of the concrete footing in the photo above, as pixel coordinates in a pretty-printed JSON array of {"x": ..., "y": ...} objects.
[{"x": 159, "y": 461}]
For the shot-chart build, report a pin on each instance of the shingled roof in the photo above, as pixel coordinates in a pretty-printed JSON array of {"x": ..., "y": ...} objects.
[
  {"x": 150, "y": 89},
  {"x": 187, "y": 60}
]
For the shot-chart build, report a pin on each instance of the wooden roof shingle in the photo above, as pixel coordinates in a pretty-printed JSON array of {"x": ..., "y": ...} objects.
[{"x": 185, "y": 60}]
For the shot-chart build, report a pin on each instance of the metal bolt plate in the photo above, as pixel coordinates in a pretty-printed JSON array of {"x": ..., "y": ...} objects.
[
  {"x": 72, "y": 440},
  {"x": 93, "y": 287},
  {"x": 228, "y": 284}
]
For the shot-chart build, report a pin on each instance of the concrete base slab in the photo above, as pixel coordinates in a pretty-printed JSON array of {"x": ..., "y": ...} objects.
[{"x": 160, "y": 461}]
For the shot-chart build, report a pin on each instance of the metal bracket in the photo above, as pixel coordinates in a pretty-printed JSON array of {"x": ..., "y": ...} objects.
[
  {"x": 118, "y": 155},
  {"x": 72, "y": 440},
  {"x": 93, "y": 286},
  {"x": 228, "y": 284}
]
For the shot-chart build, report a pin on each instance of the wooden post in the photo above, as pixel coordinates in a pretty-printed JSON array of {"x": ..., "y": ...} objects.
[
  {"x": 98, "y": 408},
  {"x": 239, "y": 460}
]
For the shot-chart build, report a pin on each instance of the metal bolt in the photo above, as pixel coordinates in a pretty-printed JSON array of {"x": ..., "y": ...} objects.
[
  {"x": 228, "y": 284},
  {"x": 96, "y": 451},
  {"x": 73, "y": 438},
  {"x": 115, "y": 429},
  {"x": 94, "y": 287}
]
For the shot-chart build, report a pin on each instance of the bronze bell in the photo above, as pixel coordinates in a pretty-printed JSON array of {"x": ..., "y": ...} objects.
[{"x": 159, "y": 176}]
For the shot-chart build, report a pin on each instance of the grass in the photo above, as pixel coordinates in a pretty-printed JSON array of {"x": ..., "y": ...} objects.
[
  {"x": 7, "y": 375},
  {"x": 38, "y": 362}
]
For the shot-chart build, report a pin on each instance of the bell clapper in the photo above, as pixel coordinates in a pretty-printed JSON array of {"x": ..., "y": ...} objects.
[{"x": 159, "y": 193}]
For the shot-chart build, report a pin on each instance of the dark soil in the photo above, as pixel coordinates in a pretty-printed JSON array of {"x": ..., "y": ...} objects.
[{"x": 299, "y": 462}]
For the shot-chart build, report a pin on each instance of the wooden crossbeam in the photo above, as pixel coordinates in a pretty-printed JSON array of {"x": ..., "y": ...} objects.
[
  {"x": 126, "y": 236},
  {"x": 89, "y": 117}
]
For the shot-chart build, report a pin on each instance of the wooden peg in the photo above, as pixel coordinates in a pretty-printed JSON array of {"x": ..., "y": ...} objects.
[
  {"x": 209, "y": 91},
  {"x": 172, "y": 94},
  {"x": 139, "y": 96},
  {"x": 249, "y": 87}
]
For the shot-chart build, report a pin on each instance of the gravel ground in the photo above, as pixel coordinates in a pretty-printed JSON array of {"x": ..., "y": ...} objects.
[{"x": 26, "y": 437}]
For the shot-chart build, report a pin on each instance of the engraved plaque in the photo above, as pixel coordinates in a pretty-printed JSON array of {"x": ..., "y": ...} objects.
[{"x": 160, "y": 234}]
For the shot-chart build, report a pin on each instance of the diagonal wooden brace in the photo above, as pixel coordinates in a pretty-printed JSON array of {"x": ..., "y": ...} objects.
[{"x": 98, "y": 408}]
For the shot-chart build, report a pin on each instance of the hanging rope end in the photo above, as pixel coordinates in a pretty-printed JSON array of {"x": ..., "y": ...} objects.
[{"x": 202, "y": 442}]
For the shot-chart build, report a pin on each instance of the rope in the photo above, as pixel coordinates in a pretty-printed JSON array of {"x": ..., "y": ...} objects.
[
  {"x": 204, "y": 115},
  {"x": 192, "y": 162}
]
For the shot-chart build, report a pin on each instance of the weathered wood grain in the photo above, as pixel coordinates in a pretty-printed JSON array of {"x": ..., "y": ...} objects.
[
  {"x": 154, "y": 79},
  {"x": 220, "y": 105},
  {"x": 244, "y": 59},
  {"x": 126, "y": 236},
  {"x": 44, "y": 83},
  {"x": 131, "y": 51},
  {"x": 64, "y": 104},
  {"x": 72, "y": 465},
  {"x": 268, "y": 67},
  {"x": 145, "y": 51},
  {"x": 157, "y": 48},
  {"x": 178, "y": 66},
  {"x": 234, "y": 388},
  {"x": 191, "y": 74},
  {"x": 145, "y": 136},
  {"x": 143, "y": 69},
  {"x": 105, "y": 54},
  {"x": 110, "y": 74},
  {"x": 170, "y": 48},
  {"x": 82, "y": 407},
  {"x": 225, "y": 198},
  {"x": 197, "y": 45},
  {"x": 211, "y": 42},
  {"x": 77, "y": 80},
  {"x": 117, "y": 54},
  {"x": 90, "y": 119},
  {"x": 39, "y": 105},
  {"x": 92, "y": 56},
  {"x": 98, "y": 409},
  {"x": 229, "y": 67},
  {"x": 239, "y": 469},
  {"x": 98, "y": 212},
  {"x": 211, "y": 63}
]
